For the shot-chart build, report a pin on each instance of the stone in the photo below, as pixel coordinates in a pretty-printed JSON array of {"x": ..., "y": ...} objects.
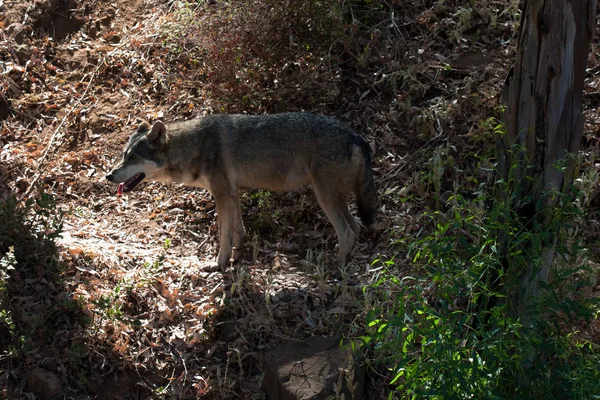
[
  {"x": 45, "y": 384},
  {"x": 316, "y": 369}
]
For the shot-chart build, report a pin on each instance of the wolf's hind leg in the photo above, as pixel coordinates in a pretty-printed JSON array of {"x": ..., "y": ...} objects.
[
  {"x": 350, "y": 220},
  {"x": 335, "y": 206}
]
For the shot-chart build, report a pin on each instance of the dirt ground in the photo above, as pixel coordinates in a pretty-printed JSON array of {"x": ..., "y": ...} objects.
[{"x": 151, "y": 320}]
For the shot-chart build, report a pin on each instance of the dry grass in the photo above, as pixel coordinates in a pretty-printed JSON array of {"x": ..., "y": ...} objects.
[{"x": 132, "y": 310}]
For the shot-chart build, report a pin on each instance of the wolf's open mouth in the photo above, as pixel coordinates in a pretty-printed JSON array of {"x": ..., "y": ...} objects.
[{"x": 132, "y": 182}]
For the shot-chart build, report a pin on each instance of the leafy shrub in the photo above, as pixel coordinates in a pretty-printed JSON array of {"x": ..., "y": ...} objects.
[
  {"x": 448, "y": 331},
  {"x": 31, "y": 228},
  {"x": 34, "y": 305}
]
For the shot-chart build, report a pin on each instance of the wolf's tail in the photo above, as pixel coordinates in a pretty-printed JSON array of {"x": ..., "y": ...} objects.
[{"x": 366, "y": 195}]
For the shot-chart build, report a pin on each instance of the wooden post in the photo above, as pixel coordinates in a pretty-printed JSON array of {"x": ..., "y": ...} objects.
[{"x": 543, "y": 120}]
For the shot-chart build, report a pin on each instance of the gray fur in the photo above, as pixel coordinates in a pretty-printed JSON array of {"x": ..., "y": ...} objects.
[{"x": 224, "y": 153}]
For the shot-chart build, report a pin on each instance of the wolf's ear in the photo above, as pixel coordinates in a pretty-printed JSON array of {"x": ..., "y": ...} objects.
[
  {"x": 158, "y": 132},
  {"x": 143, "y": 125}
]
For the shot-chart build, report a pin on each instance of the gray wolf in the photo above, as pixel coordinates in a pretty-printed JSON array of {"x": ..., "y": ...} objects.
[{"x": 224, "y": 153}]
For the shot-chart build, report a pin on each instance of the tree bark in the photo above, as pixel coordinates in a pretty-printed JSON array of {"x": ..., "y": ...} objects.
[{"x": 544, "y": 124}]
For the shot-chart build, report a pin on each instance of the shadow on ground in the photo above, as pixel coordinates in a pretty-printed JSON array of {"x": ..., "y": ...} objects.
[{"x": 43, "y": 341}]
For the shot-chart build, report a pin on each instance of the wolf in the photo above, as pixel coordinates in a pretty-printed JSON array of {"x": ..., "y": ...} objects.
[{"x": 224, "y": 153}]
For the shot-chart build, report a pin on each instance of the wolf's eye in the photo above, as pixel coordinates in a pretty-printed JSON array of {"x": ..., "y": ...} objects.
[{"x": 132, "y": 157}]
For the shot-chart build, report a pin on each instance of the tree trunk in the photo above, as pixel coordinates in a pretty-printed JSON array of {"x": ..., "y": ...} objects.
[{"x": 544, "y": 124}]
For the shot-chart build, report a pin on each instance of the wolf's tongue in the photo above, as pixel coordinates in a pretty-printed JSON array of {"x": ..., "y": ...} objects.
[{"x": 120, "y": 189}]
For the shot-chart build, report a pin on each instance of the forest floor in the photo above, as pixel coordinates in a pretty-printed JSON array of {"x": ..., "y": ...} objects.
[{"x": 130, "y": 310}]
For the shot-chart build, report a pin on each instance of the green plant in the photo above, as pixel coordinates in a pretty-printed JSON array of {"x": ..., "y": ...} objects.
[
  {"x": 158, "y": 263},
  {"x": 184, "y": 21},
  {"x": 7, "y": 264},
  {"x": 34, "y": 305},
  {"x": 447, "y": 332},
  {"x": 459, "y": 21},
  {"x": 109, "y": 306},
  {"x": 265, "y": 213},
  {"x": 31, "y": 226},
  {"x": 487, "y": 130},
  {"x": 587, "y": 184},
  {"x": 440, "y": 162}
]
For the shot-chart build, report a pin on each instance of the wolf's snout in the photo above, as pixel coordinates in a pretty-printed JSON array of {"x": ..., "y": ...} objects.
[{"x": 110, "y": 177}]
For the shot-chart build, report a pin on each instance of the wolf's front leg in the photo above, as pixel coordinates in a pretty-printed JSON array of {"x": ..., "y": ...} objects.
[
  {"x": 239, "y": 230},
  {"x": 226, "y": 213}
]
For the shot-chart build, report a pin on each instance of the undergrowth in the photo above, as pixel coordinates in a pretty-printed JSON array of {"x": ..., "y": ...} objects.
[
  {"x": 446, "y": 331},
  {"x": 256, "y": 56},
  {"x": 443, "y": 331},
  {"x": 273, "y": 56},
  {"x": 35, "y": 307}
]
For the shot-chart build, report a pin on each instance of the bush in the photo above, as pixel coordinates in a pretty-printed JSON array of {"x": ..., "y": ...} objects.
[
  {"x": 35, "y": 307},
  {"x": 447, "y": 332}
]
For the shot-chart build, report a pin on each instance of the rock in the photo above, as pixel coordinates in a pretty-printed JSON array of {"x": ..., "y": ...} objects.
[
  {"x": 45, "y": 384},
  {"x": 469, "y": 60},
  {"x": 312, "y": 370}
]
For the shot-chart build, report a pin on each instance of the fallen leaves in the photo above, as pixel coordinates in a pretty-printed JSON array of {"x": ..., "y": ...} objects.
[{"x": 155, "y": 313}]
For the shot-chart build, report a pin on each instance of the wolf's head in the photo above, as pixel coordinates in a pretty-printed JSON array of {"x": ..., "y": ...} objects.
[{"x": 141, "y": 157}]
